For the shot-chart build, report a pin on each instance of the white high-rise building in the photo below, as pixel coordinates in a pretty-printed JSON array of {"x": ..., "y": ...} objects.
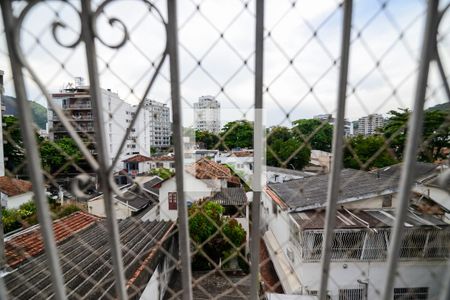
[
  {"x": 207, "y": 114},
  {"x": 157, "y": 119},
  {"x": 369, "y": 124},
  {"x": 75, "y": 101}
]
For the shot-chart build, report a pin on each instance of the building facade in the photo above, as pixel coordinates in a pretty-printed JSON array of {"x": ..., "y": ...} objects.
[
  {"x": 207, "y": 114},
  {"x": 157, "y": 119},
  {"x": 75, "y": 102},
  {"x": 369, "y": 124}
]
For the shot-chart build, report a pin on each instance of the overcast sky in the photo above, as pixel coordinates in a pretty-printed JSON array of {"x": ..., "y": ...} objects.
[{"x": 300, "y": 69}]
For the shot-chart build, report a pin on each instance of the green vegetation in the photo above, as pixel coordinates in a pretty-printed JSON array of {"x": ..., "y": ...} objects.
[
  {"x": 436, "y": 133},
  {"x": 39, "y": 114},
  {"x": 206, "y": 139},
  {"x": 237, "y": 134},
  {"x": 217, "y": 238},
  {"x": 59, "y": 155},
  {"x": 56, "y": 156},
  {"x": 162, "y": 172},
  {"x": 26, "y": 214},
  {"x": 369, "y": 153},
  {"x": 284, "y": 149},
  {"x": 318, "y": 134}
]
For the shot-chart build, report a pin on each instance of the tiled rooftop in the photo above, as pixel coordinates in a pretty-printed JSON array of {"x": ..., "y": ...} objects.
[
  {"x": 28, "y": 243},
  {"x": 137, "y": 158},
  {"x": 13, "y": 187},
  {"x": 85, "y": 262}
]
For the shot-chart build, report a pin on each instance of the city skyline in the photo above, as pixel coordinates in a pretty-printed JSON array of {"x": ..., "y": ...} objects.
[{"x": 303, "y": 87}]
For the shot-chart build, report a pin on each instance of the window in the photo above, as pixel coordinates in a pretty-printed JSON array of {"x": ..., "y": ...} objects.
[
  {"x": 351, "y": 294},
  {"x": 172, "y": 199},
  {"x": 274, "y": 208},
  {"x": 418, "y": 293}
]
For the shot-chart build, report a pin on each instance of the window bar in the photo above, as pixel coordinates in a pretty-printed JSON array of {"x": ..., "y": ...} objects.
[
  {"x": 437, "y": 57},
  {"x": 258, "y": 142},
  {"x": 32, "y": 154},
  {"x": 183, "y": 230},
  {"x": 104, "y": 172},
  {"x": 413, "y": 138},
  {"x": 338, "y": 141}
]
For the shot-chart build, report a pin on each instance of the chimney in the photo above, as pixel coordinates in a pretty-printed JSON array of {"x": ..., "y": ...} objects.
[{"x": 79, "y": 81}]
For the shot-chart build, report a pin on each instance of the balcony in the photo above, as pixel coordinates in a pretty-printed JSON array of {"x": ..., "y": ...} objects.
[{"x": 79, "y": 106}]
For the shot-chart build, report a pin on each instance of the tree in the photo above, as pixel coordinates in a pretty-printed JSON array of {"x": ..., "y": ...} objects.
[
  {"x": 281, "y": 145},
  {"x": 317, "y": 133},
  {"x": 206, "y": 139},
  {"x": 237, "y": 134},
  {"x": 13, "y": 148},
  {"x": 435, "y": 133},
  {"x": 56, "y": 155},
  {"x": 365, "y": 148},
  {"x": 219, "y": 236}
]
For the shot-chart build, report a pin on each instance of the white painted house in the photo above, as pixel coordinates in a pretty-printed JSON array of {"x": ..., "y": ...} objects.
[
  {"x": 15, "y": 192},
  {"x": 293, "y": 215},
  {"x": 201, "y": 180}
]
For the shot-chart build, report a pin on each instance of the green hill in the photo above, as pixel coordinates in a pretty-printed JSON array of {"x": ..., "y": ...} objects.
[{"x": 39, "y": 112}]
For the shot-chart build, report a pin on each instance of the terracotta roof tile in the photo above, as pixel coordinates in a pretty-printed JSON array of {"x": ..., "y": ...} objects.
[
  {"x": 138, "y": 158},
  {"x": 162, "y": 158},
  {"x": 208, "y": 169},
  {"x": 13, "y": 187},
  {"x": 28, "y": 244}
]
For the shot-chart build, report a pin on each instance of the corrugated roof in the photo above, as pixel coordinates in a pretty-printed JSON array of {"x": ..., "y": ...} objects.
[
  {"x": 13, "y": 187},
  {"x": 421, "y": 170},
  {"x": 137, "y": 200},
  {"x": 230, "y": 196},
  {"x": 87, "y": 269},
  {"x": 29, "y": 243},
  {"x": 311, "y": 192},
  {"x": 366, "y": 218}
]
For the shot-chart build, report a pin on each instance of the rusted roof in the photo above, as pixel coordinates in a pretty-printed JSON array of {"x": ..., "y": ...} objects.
[
  {"x": 242, "y": 154},
  {"x": 208, "y": 169},
  {"x": 13, "y": 187},
  {"x": 29, "y": 243},
  {"x": 145, "y": 246},
  {"x": 162, "y": 158},
  {"x": 138, "y": 158}
]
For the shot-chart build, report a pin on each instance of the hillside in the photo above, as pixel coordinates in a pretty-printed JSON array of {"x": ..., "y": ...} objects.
[
  {"x": 443, "y": 106},
  {"x": 39, "y": 111}
]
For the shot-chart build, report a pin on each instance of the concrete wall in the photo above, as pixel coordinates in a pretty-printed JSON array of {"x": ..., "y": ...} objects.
[
  {"x": 96, "y": 207},
  {"x": 346, "y": 275},
  {"x": 194, "y": 190},
  {"x": 16, "y": 201}
]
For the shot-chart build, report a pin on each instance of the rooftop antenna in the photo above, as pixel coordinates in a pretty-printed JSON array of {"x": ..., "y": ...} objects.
[{"x": 79, "y": 81}]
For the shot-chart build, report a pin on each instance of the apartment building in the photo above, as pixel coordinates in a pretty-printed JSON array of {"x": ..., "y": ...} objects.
[
  {"x": 369, "y": 124},
  {"x": 157, "y": 119},
  {"x": 207, "y": 114},
  {"x": 75, "y": 101},
  {"x": 294, "y": 224}
]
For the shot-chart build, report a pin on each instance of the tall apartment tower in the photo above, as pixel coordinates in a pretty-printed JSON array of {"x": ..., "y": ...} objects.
[
  {"x": 369, "y": 124},
  {"x": 157, "y": 119},
  {"x": 75, "y": 102},
  {"x": 207, "y": 114}
]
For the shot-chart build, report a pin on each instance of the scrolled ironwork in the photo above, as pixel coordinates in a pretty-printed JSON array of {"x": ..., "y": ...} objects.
[{"x": 80, "y": 182}]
